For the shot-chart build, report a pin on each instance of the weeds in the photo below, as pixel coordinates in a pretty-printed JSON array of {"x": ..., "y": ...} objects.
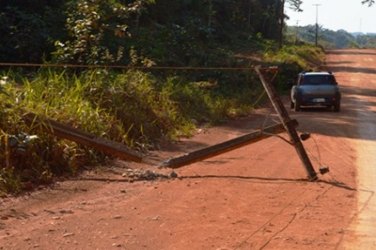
[
  {"x": 305, "y": 57},
  {"x": 134, "y": 108},
  {"x": 293, "y": 59}
]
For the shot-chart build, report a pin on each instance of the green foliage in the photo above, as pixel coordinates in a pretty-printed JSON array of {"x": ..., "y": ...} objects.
[
  {"x": 330, "y": 39},
  {"x": 133, "y": 99},
  {"x": 194, "y": 102},
  {"x": 306, "y": 57},
  {"x": 134, "y": 108},
  {"x": 366, "y": 40},
  {"x": 9, "y": 181},
  {"x": 97, "y": 31},
  {"x": 28, "y": 29},
  {"x": 102, "y": 32},
  {"x": 293, "y": 59}
]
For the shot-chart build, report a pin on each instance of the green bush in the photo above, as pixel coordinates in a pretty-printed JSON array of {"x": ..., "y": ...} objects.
[
  {"x": 135, "y": 108},
  {"x": 293, "y": 59}
]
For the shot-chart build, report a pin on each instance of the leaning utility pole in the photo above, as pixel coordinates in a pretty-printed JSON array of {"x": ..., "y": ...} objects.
[
  {"x": 287, "y": 123},
  {"x": 317, "y": 23}
]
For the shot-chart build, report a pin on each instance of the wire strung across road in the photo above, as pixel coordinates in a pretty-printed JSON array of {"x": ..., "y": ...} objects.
[{"x": 49, "y": 65}]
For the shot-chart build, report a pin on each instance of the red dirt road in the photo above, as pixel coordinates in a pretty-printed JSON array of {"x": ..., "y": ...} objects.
[
  {"x": 357, "y": 70},
  {"x": 255, "y": 197}
]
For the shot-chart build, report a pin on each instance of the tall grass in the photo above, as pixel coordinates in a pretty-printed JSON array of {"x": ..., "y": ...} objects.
[
  {"x": 305, "y": 57},
  {"x": 293, "y": 59},
  {"x": 135, "y": 108}
]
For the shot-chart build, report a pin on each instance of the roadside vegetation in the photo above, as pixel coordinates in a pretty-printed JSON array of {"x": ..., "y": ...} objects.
[
  {"x": 329, "y": 39},
  {"x": 137, "y": 107}
]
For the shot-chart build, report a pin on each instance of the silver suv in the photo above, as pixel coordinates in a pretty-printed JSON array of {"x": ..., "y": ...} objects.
[{"x": 316, "y": 89}]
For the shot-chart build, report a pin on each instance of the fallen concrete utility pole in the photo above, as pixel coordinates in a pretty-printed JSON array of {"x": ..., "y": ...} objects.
[
  {"x": 66, "y": 132},
  {"x": 226, "y": 146},
  {"x": 286, "y": 121}
]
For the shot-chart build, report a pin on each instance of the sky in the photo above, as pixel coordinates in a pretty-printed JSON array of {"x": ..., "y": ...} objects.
[{"x": 349, "y": 15}]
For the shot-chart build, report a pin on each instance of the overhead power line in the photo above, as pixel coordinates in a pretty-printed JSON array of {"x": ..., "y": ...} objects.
[{"x": 7, "y": 64}]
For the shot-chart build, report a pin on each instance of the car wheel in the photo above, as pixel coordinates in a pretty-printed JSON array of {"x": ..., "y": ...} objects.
[
  {"x": 297, "y": 106},
  {"x": 337, "y": 106}
]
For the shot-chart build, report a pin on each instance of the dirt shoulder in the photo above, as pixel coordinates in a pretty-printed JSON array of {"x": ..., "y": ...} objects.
[
  {"x": 357, "y": 69},
  {"x": 255, "y": 197}
]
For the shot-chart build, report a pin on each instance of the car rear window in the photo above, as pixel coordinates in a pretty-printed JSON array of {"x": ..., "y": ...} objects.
[{"x": 318, "y": 80}]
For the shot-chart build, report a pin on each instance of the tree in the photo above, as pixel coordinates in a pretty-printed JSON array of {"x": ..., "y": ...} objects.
[
  {"x": 28, "y": 29},
  {"x": 98, "y": 30},
  {"x": 369, "y": 2},
  {"x": 294, "y": 4}
]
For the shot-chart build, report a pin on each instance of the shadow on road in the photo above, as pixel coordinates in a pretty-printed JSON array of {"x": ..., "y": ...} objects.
[
  {"x": 355, "y": 100},
  {"x": 357, "y": 111},
  {"x": 352, "y": 69},
  {"x": 351, "y": 52},
  {"x": 258, "y": 179},
  {"x": 341, "y": 124}
]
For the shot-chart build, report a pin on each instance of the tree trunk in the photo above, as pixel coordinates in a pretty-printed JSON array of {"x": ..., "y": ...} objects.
[
  {"x": 210, "y": 16},
  {"x": 249, "y": 13},
  {"x": 281, "y": 22}
]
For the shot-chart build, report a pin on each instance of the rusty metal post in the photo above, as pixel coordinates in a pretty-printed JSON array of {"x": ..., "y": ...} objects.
[
  {"x": 286, "y": 121},
  {"x": 66, "y": 132},
  {"x": 217, "y": 149}
]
